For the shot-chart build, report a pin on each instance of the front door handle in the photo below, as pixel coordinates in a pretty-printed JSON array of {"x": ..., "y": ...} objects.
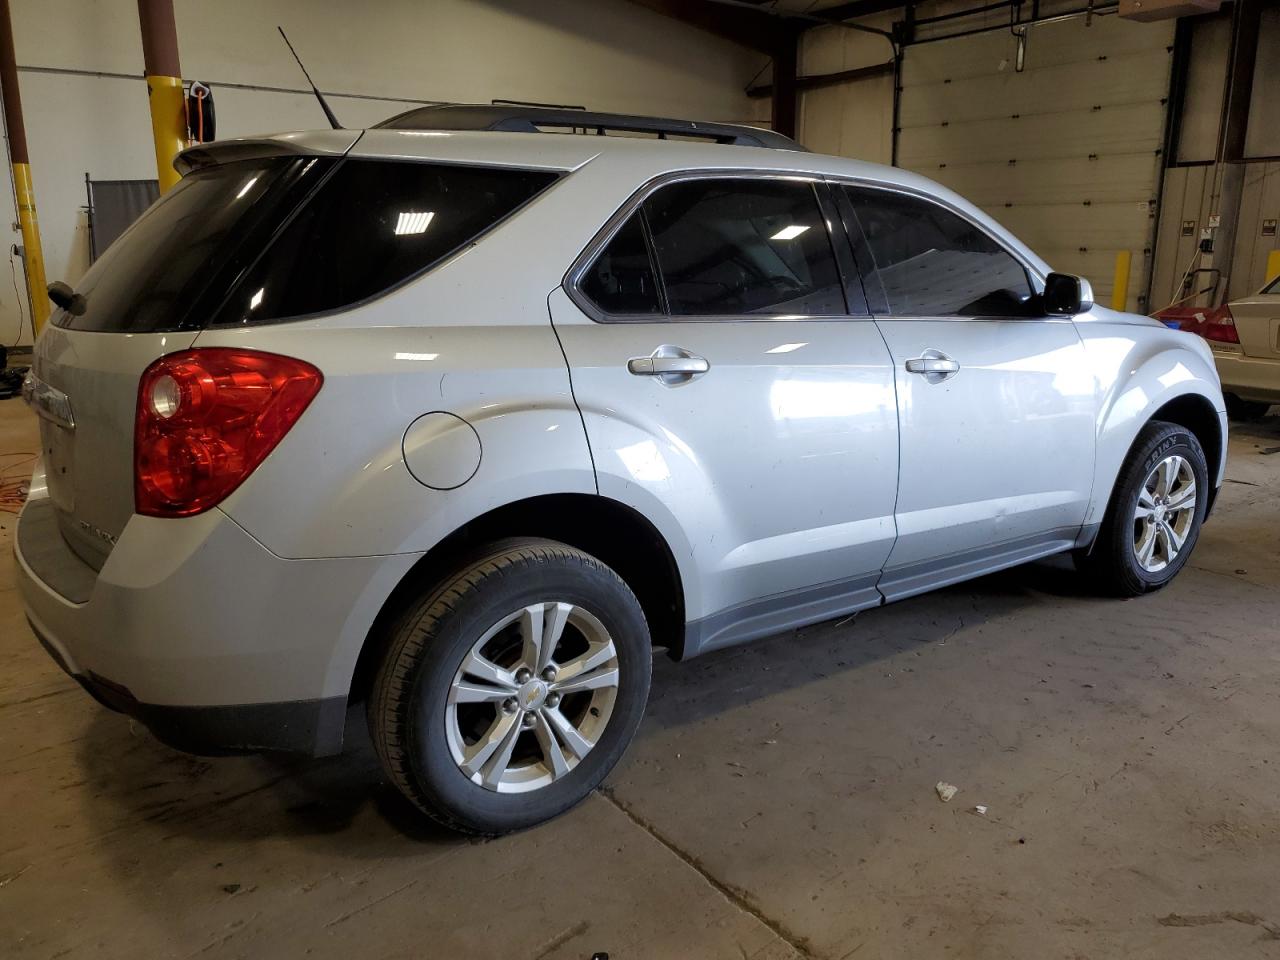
[
  {"x": 933, "y": 365},
  {"x": 672, "y": 365}
]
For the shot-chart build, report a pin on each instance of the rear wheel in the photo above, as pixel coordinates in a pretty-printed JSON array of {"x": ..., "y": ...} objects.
[
  {"x": 512, "y": 688},
  {"x": 1238, "y": 409},
  {"x": 1153, "y": 520}
]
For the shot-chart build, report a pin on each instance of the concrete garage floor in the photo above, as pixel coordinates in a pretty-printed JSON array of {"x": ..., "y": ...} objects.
[{"x": 778, "y": 802}]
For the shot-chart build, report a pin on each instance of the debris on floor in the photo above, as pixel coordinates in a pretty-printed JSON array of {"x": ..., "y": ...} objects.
[
  {"x": 946, "y": 790},
  {"x": 980, "y": 810}
]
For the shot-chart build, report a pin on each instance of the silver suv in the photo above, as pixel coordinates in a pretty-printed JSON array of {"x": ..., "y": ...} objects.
[{"x": 459, "y": 418}]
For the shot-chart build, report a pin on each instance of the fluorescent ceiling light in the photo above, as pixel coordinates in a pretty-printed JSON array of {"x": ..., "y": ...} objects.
[
  {"x": 416, "y": 356},
  {"x": 256, "y": 299},
  {"x": 789, "y": 233},
  {"x": 247, "y": 187},
  {"x": 787, "y": 347},
  {"x": 411, "y": 223}
]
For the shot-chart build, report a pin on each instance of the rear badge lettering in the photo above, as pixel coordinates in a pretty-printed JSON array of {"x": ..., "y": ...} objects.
[{"x": 96, "y": 532}]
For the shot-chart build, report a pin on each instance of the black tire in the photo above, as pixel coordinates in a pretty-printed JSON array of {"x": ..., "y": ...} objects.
[
  {"x": 1112, "y": 562},
  {"x": 1238, "y": 409},
  {"x": 407, "y": 706}
]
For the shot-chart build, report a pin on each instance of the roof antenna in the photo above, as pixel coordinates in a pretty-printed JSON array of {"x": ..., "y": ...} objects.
[{"x": 333, "y": 121}]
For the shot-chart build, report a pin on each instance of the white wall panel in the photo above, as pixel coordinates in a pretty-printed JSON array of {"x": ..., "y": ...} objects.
[
  {"x": 1066, "y": 153},
  {"x": 605, "y": 54},
  {"x": 855, "y": 118}
]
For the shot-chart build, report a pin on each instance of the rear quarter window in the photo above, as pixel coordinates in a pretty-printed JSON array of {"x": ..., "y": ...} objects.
[
  {"x": 153, "y": 276},
  {"x": 371, "y": 226}
]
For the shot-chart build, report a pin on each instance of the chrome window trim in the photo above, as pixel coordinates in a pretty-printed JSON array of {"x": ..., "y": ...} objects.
[{"x": 573, "y": 276}]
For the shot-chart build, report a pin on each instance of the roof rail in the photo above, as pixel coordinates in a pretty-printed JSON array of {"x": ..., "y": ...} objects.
[{"x": 529, "y": 119}]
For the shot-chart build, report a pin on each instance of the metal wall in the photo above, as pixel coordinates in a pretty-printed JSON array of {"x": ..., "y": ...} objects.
[
  {"x": 1192, "y": 185},
  {"x": 1066, "y": 153},
  {"x": 1189, "y": 201}
]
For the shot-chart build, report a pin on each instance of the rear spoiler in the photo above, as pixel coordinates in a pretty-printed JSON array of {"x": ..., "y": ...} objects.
[{"x": 332, "y": 143}]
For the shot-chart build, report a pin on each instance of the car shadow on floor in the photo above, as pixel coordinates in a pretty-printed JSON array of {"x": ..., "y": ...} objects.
[
  {"x": 137, "y": 781},
  {"x": 1265, "y": 432}
]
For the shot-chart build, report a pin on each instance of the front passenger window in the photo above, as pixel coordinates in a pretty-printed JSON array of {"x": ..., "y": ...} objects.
[{"x": 933, "y": 263}]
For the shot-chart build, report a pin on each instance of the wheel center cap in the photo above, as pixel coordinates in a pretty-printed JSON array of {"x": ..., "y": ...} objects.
[
  {"x": 1159, "y": 513},
  {"x": 532, "y": 695}
]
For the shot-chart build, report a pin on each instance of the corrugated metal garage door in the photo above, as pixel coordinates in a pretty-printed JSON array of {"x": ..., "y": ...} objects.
[{"x": 1066, "y": 153}]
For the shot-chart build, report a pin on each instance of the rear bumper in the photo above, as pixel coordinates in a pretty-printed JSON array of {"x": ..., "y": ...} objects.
[
  {"x": 313, "y": 727},
  {"x": 1249, "y": 378},
  {"x": 201, "y": 633}
]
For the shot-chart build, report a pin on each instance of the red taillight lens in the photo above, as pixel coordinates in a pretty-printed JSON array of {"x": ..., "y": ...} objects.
[
  {"x": 1220, "y": 325},
  {"x": 206, "y": 419}
]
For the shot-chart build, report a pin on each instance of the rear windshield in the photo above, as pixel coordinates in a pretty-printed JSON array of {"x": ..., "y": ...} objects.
[
  {"x": 266, "y": 240},
  {"x": 371, "y": 226},
  {"x": 150, "y": 278}
]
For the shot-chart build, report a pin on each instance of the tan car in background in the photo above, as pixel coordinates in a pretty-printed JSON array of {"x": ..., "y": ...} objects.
[{"x": 1245, "y": 338}]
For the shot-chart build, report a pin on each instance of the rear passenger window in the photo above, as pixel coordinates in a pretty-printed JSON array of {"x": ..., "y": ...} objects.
[
  {"x": 741, "y": 247},
  {"x": 933, "y": 263},
  {"x": 371, "y": 226},
  {"x": 620, "y": 280}
]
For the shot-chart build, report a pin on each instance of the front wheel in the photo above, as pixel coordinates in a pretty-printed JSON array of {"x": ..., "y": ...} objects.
[
  {"x": 512, "y": 688},
  {"x": 1153, "y": 521}
]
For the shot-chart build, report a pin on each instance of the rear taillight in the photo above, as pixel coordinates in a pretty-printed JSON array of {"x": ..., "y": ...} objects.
[
  {"x": 206, "y": 419},
  {"x": 1220, "y": 325}
]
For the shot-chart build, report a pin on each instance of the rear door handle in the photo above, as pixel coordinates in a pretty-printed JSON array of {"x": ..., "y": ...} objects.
[
  {"x": 933, "y": 365},
  {"x": 670, "y": 364}
]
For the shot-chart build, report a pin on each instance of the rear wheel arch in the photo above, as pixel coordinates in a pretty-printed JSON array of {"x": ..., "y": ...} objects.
[{"x": 614, "y": 533}]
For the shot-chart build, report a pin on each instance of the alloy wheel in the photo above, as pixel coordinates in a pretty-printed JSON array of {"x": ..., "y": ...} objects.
[
  {"x": 532, "y": 697},
  {"x": 1164, "y": 514}
]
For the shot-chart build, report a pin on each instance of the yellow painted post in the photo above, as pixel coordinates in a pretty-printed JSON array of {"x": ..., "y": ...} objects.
[
  {"x": 164, "y": 85},
  {"x": 32, "y": 257},
  {"x": 1120, "y": 289},
  {"x": 168, "y": 125},
  {"x": 1273, "y": 265}
]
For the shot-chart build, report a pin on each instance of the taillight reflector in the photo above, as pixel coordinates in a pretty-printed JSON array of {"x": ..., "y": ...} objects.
[{"x": 206, "y": 418}]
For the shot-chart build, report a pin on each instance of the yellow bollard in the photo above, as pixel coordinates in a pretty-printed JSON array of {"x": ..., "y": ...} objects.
[
  {"x": 1120, "y": 289},
  {"x": 1273, "y": 265}
]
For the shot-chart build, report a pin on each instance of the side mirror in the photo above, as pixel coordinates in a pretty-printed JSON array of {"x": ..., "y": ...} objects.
[{"x": 1066, "y": 296}]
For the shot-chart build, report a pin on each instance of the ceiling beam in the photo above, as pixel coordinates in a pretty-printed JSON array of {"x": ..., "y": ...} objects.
[
  {"x": 818, "y": 80},
  {"x": 858, "y": 8},
  {"x": 757, "y": 31}
]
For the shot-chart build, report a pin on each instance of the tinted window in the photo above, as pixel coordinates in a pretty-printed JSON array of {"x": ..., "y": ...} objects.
[
  {"x": 370, "y": 226},
  {"x": 934, "y": 263},
  {"x": 742, "y": 247},
  {"x": 1273, "y": 286},
  {"x": 150, "y": 278},
  {"x": 620, "y": 280}
]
